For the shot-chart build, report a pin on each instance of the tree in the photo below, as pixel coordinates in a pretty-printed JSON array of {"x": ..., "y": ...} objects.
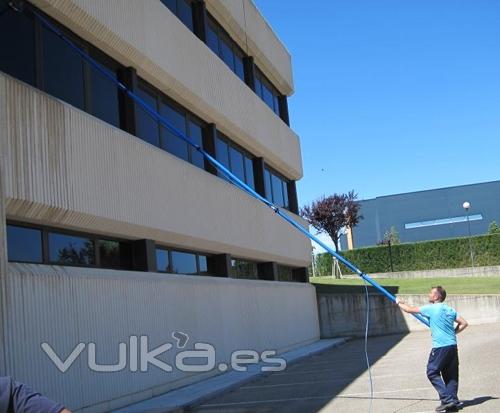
[
  {"x": 391, "y": 236},
  {"x": 493, "y": 228},
  {"x": 331, "y": 214}
]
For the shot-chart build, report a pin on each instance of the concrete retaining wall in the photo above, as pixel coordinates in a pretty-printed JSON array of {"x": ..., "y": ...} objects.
[
  {"x": 64, "y": 306},
  {"x": 345, "y": 314},
  {"x": 487, "y": 271}
]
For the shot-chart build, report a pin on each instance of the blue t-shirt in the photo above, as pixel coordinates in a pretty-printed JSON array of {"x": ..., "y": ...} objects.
[
  {"x": 441, "y": 318},
  {"x": 18, "y": 398}
]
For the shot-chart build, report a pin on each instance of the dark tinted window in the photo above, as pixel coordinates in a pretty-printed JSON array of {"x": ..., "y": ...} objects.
[
  {"x": 238, "y": 66},
  {"x": 17, "y": 44},
  {"x": 285, "y": 194},
  {"x": 114, "y": 254},
  {"x": 258, "y": 87},
  {"x": 182, "y": 9},
  {"x": 249, "y": 172},
  {"x": 69, "y": 249},
  {"x": 196, "y": 134},
  {"x": 162, "y": 260},
  {"x": 237, "y": 165},
  {"x": 212, "y": 39},
  {"x": 147, "y": 127},
  {"x": 267, "y": 185},
  {"x": 267, "y": 96},
  {"x": 170, "y": 142},
  {"x": 24, "y": 244},
  {"x": 276, "y": 105},
  {"x": 62, "y": 70},
  {"x": 185, "y": 13},
  {"x": 224, "y": 47},
  {"x": 104, "y": 97},
  {"x": 203, "y": 262},
  {"x": 183, "y": 263},
  {"x": 226, "y": 53},
  {"x": 285, "y": 273},
  {"x": 171, "y": 4},
  {"x": 222, "y": 154},
  {"x": 243, "y": 269},
  {"x": 277, "y": 190}
]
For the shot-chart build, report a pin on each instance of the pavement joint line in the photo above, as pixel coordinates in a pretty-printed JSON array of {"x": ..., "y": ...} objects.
[
  {"x": 201, "y": 391},
  {"x": 320, "y": 381},
  {"x": 306, "y": 398}
]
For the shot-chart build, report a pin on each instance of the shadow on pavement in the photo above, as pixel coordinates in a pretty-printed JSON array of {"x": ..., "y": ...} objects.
[
  {"x": 477, "y": 400},
  {"x": 305, "y": 386}
]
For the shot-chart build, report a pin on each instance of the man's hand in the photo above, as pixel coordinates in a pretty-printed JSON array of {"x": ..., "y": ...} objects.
[
  {"x": 461, "y": 324},
  {"x": 407, "y": 308}
]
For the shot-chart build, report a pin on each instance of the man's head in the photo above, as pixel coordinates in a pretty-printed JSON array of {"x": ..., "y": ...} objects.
[{"x": 437, "y": 294}]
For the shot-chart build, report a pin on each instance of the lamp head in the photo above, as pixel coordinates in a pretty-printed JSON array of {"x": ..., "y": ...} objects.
[{"x": 466, "y": 205}]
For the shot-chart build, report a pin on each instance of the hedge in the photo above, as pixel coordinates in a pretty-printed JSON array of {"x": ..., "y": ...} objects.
[{"x": 429, "y": 255}]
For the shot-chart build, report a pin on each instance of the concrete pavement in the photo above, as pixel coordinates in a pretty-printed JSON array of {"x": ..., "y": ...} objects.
[{"x": 337, "y": 380}]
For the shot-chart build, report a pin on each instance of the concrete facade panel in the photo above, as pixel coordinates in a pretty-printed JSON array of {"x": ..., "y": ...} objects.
[
  {"x": 106, "y": 307},
  {"x": 66, "y": 168},
  {"x": 144, "y": 34}
]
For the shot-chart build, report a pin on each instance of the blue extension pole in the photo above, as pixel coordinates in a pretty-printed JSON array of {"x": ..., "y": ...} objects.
[{"x": 228, "y": 174}]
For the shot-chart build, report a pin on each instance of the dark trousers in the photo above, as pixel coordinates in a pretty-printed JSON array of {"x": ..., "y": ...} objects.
[{"x": 442, "y": 371}]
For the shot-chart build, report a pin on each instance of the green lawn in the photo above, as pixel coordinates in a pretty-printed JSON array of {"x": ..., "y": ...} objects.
[{"x": 452, "y": 285}]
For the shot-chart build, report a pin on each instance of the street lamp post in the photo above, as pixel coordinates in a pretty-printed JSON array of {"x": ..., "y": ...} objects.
[{"x": 466, "y": 206}]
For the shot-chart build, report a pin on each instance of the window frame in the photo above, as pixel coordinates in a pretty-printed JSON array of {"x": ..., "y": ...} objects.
[
  {"x": 169, "y": 251},
  {"x": 189, "y": 117},
  {"x": 285, "y": 183},
  {"x": 231, "y": 144},
  {"x": 46, "y": 229},
  {"x": 221, "y": 34}
]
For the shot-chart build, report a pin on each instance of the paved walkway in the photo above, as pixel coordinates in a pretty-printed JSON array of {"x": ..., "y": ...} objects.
[{"x": 337, "y": 381}]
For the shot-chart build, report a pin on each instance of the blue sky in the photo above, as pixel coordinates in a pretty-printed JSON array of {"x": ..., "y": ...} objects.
[{"x": 392, "y": 96}]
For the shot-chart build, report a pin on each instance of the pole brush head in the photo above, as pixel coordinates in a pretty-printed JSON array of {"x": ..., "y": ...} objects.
[{"x": 17, "y": 5}]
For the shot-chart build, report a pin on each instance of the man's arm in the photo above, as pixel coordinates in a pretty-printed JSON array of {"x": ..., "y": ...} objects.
[
  {"x": 461, "y": 324},
  {"x": 407, "y": 308}
]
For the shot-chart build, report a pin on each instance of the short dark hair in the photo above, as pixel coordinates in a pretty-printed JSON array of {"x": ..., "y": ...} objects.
[{"x": 441, "y": 291}]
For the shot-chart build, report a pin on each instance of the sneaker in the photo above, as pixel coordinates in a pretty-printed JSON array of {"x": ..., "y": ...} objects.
[{"x": 446, "y": 407}]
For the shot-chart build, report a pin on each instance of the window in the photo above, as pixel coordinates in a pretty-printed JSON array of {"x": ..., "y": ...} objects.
[
  {"x": 196, "y": 135},
  {"x": 181, "y": 262},
  {"x": 243, "y": 269},
  {"x": 162, "y": 260},
  {"x": 223, "y": 46},
  {"x": 70, "y": 250},
  {"x": 50, "y": 246},
  {"x": 24, "y": 244},
  {"x": 237, "y": 164},
  {"x": 114, "y": 254},
  {"x": 63, "y": 70},
  {"x": 276, "y": 188},
  {"x": 184, "y": 122},
  {"x": 203, "y": 264},
  {"x": 267, "y": 92},
  {"x": 171, "y": 142},
  {"x": 184, "y": 263},
  {"x": 147, "y": 127},
  {"x": 285, "y": 273},
  {"x": 235, "y": 159},
  {"x": 17, "y": 44},
  {"x": 183, "y": 10},
  {"x": 34, "y": 54},
  {"x": 103, "y": 92},
  {"x": 443, "y": 221}
]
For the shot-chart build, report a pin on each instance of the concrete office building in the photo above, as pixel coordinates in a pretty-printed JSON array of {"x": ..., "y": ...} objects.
[
  {"x": 111, "y": 226},
  {"x": 427, "y": 215}
]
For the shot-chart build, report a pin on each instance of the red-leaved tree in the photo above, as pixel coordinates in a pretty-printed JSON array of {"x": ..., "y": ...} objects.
[{"x": 333, "y": 213}]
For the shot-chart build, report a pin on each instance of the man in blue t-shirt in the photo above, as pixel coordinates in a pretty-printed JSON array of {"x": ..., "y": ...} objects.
[
  {"x": 442, "y": 368},
  {"x": 16, "y": 397}
]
